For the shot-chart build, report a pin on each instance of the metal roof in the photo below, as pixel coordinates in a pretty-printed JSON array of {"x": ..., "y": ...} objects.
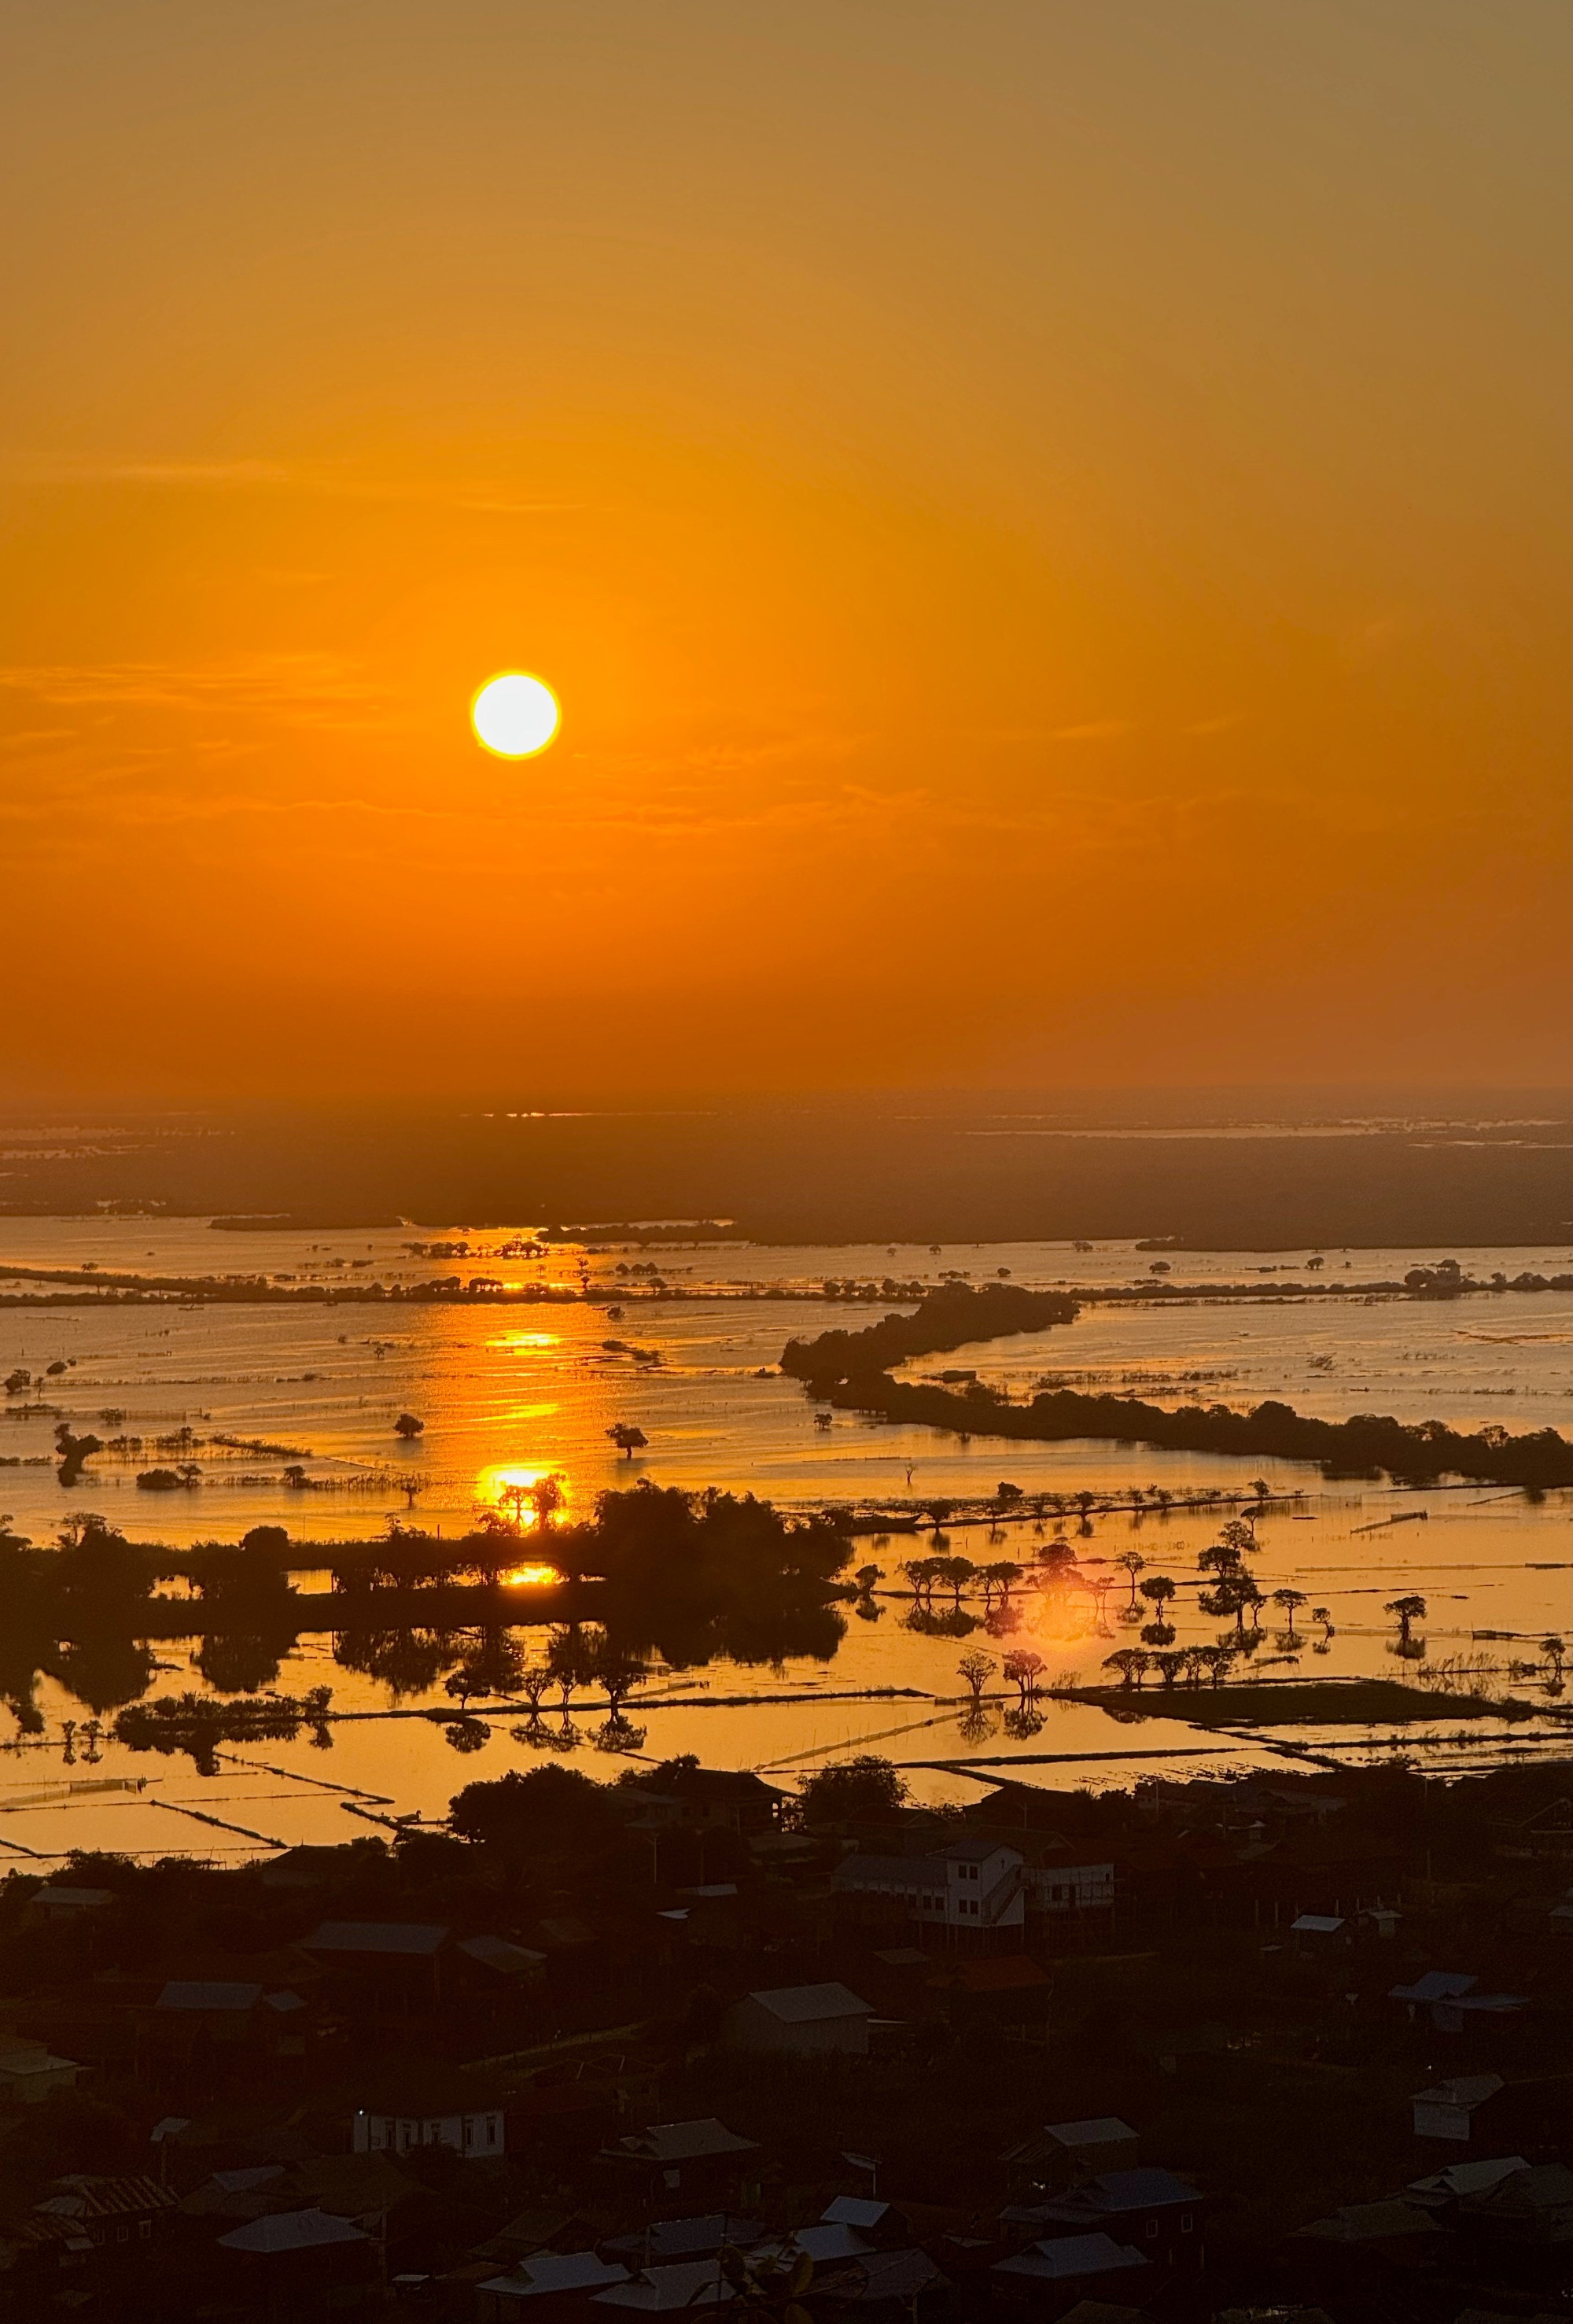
[
  {"x": 291, "y": 2231},
  {"x": 1146, "y": 2190},
  {"x": 200, "y": 1994},
  {"x": 853, "y": 2211},
  {"x": 688, "y": 2142},
  {"x": 684, "y": 2283},
  {"x": 1463, "y": 2090},
  {"x": 410, "y": 1938},
  {"x": 811, "y": 2005},
  {"x": 1436, "y": 1984},
  {"x": 544, "y": 2274},
  {"x": 500, "y": 1954},
  {"x": 1097, "y": 2130},
  {"x": 1065, "y": 2256}
]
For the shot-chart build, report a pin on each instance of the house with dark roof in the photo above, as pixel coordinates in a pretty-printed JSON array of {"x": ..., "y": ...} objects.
[
  {"x": 1158, "y": 2212},
  {"x": 287, "y": 2265},
  {"x": 701, "y": 2157},
  {"x": 1058, "y": 2266},
  {"x": 800, "y": 2021},
  {"x": 547, "y": 2284},
  {"x": 1064, "y": 2151},
  {"x": 381, "y": 1968},
  {"x": 681, "y": 1793}
]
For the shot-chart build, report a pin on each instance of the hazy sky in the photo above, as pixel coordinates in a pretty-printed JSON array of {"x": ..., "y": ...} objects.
[{"x": 1047, "y": 519}]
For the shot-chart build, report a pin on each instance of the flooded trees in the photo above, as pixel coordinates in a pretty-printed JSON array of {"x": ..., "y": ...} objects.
[
  {"x": 976, "y": 1669},
  {"x": 1131, "y": 1662},
  {"x": 1157, "y": 1590},
  {"x": 1407, "y": 1612}
]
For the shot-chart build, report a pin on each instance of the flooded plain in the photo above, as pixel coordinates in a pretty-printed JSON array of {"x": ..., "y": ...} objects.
[{"x": 310, "y": 1393}]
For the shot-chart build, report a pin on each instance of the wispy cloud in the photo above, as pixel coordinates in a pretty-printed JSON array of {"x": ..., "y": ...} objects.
[
  {"x": 302, "y": 689},
  {"x": 482, "y": 496},
  {"x": 1093, "y": 730}
]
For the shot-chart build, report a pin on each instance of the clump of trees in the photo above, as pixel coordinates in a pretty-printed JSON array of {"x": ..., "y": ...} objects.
[
  {"x": 865, "y": 1786},
  {"x": 950, "y": 1317}
]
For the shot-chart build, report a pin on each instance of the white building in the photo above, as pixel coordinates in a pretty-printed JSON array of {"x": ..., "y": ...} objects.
[
  {"x": 1449, "y": 2110},
  {"x": 479, "y": 2136},
  {"x": 974, "y": 1885}
]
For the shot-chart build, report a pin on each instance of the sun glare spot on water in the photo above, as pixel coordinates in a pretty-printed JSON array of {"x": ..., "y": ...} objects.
[
  {"x": 509, "y": 1489},
  {"x": 531, "y": 1577},
  {"x": 514, "y": 716}
]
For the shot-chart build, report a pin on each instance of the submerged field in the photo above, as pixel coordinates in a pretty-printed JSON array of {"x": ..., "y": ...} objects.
[{"x": 507, "y": 1396}]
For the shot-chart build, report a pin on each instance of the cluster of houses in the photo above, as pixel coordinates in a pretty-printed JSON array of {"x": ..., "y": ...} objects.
[{"x": 464, "y": 2109}]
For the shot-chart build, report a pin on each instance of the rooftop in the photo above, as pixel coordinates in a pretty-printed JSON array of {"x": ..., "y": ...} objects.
[
  {"x": 1097, "y": 2130},
  {"x": 1066, "y": 2256},
  {"x": 198, "y": 1994},
  {"x": 410, "y": 1938},
  {"x": 291, "y": 2231},
  {"x": 811, "y": 2005},
  {"x": 685, "y": 2141}
]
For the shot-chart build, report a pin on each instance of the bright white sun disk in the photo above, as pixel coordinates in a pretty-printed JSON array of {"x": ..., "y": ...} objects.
[{"x": 515, "y": 714}]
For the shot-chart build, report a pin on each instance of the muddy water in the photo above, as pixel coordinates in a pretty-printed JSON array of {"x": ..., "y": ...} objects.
[{"x": 509, "y": 1394}]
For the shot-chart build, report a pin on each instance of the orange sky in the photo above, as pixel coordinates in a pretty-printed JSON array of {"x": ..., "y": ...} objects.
[{"x": 1047, "y": 522}]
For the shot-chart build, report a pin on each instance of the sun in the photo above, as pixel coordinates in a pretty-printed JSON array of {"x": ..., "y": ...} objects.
[{"x": 514, "y": 714}]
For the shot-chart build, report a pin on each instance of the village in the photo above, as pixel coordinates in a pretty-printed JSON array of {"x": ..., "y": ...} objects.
[{"x": 1282, "y": 2045}]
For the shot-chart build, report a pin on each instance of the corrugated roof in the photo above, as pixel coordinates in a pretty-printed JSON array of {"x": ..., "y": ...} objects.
[
  {"x": 410, "y": 1938},
  {"x": 1097, "y": 2130},
  {"x": 84, "y": 2197},
  {"x": 1115, "y": 2191},
  {"x": 1436, "y": 1984},
  {"x": 688, "y": 2142},
  {"x": 684, "y": 2283},
  {"x": 182, "y": 1993},
  {"x": 810, "y": 2005},
  {"x": 1463, "y": 2090},
  {"x": 830, "y": 2240},
  {"x": 1468, "y": 2178},
  {"x": 544, "y": 2274},
  {"x": 881, "y": 2275},
  {"x": 1066, "y": 2256},
  {"x": 498, "y": 1953},
  {"x": 853, "y": 2211},
  {"x": 291, "y": 2231}
]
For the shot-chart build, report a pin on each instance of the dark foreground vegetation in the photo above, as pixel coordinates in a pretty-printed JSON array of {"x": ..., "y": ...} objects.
[
  {"x": 849, "y": 1370},
  {"x": 1289, "y": 2046}
]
